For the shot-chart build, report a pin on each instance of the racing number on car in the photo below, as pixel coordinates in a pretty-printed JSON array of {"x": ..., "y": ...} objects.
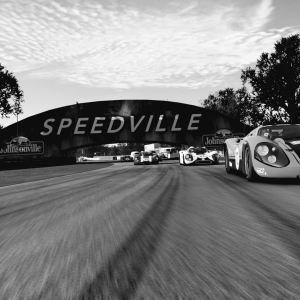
[{"x": 237, "y": 158}]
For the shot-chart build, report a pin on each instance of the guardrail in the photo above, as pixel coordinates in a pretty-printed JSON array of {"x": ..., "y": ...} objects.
[
  {"x": 108, "y": 157},
  {"x": 100, "y": 158}
]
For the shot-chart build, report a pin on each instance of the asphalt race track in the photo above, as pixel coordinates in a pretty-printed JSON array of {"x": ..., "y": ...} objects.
[{"x": 150, "y": 232}]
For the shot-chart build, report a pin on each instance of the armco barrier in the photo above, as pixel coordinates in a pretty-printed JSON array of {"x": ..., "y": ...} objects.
[{"x": 108, "y": 157}]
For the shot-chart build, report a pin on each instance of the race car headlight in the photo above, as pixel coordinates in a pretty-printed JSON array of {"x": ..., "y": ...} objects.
[
  {"x": 271, "y": 154},
  {"x": 262, "y": 150},
  {"x": 272, "y": 159},
  {"x": 189, "y": 157}
]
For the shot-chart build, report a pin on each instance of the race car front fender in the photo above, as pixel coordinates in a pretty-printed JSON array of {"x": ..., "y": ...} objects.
[{"x": 292, "y": 170}]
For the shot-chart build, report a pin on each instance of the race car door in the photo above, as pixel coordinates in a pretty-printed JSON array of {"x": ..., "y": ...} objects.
[{"x": 238, "y": 154}]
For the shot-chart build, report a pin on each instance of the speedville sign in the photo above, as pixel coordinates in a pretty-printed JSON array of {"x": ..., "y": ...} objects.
[{"x": 98, "y": 125}]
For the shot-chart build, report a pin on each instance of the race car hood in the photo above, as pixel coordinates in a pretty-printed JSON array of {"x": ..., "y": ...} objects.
[
  {"x": 295, "y": 145},
  {"x": 289, "y": 144}
]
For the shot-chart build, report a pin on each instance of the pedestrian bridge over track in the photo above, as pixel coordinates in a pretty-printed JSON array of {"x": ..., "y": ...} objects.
[{"x": 55, "y": 131}]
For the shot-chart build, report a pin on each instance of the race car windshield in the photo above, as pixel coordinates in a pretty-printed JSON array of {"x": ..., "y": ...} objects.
[
  {"x": 200, "y": 150},
  {"x": 147, "y": 154},
  {"x": 285, "y": 132}
]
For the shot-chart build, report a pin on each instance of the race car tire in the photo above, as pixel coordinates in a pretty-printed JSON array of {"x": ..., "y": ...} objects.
[
  {"x": 184, "y": 164},
  {"x": 248, "y": 165},
  {"x": 227, "y": 167}
]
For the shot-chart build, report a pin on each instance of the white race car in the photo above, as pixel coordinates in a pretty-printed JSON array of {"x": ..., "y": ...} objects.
[
  {"x": 146, "y": 157},
  {"x": 269, "y": 151},
  {"x": 198, "y": 156}
]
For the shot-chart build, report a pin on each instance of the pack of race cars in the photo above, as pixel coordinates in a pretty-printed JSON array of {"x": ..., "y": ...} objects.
[{"x": 270, "y": 151}]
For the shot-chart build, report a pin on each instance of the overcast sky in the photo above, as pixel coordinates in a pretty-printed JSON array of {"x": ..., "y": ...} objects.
[{"x": 63, "y": 51}]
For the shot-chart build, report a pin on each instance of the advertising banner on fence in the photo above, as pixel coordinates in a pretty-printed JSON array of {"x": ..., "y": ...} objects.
[
  {"x": 22, "y": 146},
  {"x": 218, "y": 139}
]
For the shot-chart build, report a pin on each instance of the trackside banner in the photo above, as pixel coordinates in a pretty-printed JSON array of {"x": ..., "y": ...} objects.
[
  {"x": 211, "y": 140},
  {"x": 33, "y": 148},
  {"x": 219, "y": 138}
]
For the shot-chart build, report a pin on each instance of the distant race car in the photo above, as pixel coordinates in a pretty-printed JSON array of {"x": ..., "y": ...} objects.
[
  {"x": 126, "y": 158},
  {"x": 198, "y": 155},
  {"x": 146, "y": 158},
  {"x": 133, "y": 153},
  {"x": 267, "y": 151},
  {"x": 160, "y": 157}
]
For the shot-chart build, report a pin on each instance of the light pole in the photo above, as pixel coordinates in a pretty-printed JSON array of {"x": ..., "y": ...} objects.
[{"x": 16, "y": 111}]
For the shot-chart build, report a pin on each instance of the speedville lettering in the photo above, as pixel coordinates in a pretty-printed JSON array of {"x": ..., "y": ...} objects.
[{"x": 81, "y": 124}]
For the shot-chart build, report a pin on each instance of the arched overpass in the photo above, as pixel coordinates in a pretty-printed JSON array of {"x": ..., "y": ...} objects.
[{"x": 118, "y": 121}]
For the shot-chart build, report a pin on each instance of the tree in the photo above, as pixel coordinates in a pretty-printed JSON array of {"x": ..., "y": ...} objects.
[
  {"x": 275, "y": 82},
  {"x": 11, "y": 96},
  {"x": 236, "y": 104},
  {"x": 127, "y": 148},
  {"x": 2, "y": 143},
  {"x": 223, "y": 101}
]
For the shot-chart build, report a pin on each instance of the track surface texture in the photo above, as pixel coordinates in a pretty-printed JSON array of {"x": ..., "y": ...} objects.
[
  {"x": 11, "y": 177},
  {"x": 150, "y": 232}
]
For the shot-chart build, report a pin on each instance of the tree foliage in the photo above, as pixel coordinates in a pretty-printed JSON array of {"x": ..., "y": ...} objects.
[
  {"x": 274, "y": 95},
  {"x": 275, "y": 81},
  {"x": 237, "y": 104},
  {"x": 223, "y": 101},
  {"x": 11, "y": 96}
]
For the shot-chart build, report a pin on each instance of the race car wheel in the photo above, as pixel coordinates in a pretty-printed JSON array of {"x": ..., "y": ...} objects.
[
  {"x": 248, "y": 166},
  {"x": 227, "y": 167},
  {"x": 184, "y": 164}
]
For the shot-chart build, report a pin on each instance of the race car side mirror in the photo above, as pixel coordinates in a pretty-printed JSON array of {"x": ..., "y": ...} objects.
[{"x": 237, "y": 140}]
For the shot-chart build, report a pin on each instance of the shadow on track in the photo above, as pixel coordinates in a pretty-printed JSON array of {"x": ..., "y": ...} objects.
[
  {"x": 120, "y": 277},
  {"x": 271, "y": 181}
]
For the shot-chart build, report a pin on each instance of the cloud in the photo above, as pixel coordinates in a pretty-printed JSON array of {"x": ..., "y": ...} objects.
[{"x": 126, "y": 46}]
